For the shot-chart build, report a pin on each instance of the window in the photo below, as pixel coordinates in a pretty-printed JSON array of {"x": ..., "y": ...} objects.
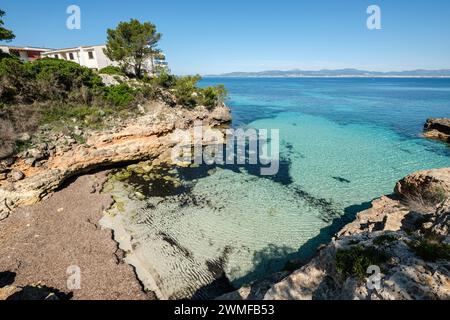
[
  {"x": 56, "y": 56},
  {"x": 91, "y": 55},
  {"x": 71, "y": 56}
]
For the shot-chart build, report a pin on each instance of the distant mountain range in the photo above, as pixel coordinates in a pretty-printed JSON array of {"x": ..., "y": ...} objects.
[{"x": 339, "y": 73}]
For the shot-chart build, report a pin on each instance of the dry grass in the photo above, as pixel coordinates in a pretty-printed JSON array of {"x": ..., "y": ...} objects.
[
  {"x": 426, "y": 203},
  {"x": 7, "y": 138}
]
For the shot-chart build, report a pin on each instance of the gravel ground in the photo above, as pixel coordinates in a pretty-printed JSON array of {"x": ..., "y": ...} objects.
[{"x": 40, "y": 242}]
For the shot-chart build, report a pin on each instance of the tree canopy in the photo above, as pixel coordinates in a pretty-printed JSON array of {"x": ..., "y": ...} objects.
[
  {"x": 5, "y": 34},
  {"x": 132, "y": 44}
]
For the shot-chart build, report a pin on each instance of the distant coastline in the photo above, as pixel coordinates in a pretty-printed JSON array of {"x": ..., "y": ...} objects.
[{"x": 340, "y": 73}]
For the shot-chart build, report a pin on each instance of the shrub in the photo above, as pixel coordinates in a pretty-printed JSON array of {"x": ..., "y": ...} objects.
[
  {"x": 112, "y": 70},
  {"x": 73, "y": 115},
  {"x": 356, "y": 260},
  {"x": 145, "y": 92},
  {"x": 212, "y": 96},
  {"x": 430, "y": 250},
  {"x": 165, "y": 80},
  {"x": 120, "y": 95},
  {"x": 65, "y": 74},
  {"x": 7, "y": 138},
  {"x": 45, "y": 80},
  {"x": 384, "y": 239},
  {"x": 13, "y": 80},
  {"x": 186, "y": 90}
]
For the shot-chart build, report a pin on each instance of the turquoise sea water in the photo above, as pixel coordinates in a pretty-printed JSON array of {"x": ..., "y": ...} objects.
[{"x": 344, "y": 142}]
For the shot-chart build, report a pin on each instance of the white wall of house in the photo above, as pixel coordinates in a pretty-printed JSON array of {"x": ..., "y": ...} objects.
[
  {"x": 5, "y": 49},
  {"x": 23, "y": 52},
  {"x": 91, "y": 57}
]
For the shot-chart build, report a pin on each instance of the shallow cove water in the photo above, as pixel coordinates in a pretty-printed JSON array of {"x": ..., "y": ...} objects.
[{"x": 202, "y": 231}]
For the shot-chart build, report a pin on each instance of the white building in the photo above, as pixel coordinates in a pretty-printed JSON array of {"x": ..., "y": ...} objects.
[
  {"x": 91, "y": 57},
  {"x": 24, "y": 53}
]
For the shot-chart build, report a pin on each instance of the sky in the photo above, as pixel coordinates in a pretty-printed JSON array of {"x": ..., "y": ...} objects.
[{"x": 211, "y": 37}]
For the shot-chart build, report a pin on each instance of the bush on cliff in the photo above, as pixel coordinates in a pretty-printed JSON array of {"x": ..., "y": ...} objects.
[
  {"x": 62, "y": 95},
  {"x": 186, "y": 90},
  {"x": 46, "y": 80},
  {"x": 356, "y": 260},
  {"x": 57, "y": 79},
  {"x": 14, "y": 84},
  {"x": 188, "y": 93},
  {"x": 120, "y": 95},
  {"x": 164, "y": 80},
  {"x": 112, "y": 70},
  {"x": 212, "y": 96},
  {"x": 431, "y": 250}
]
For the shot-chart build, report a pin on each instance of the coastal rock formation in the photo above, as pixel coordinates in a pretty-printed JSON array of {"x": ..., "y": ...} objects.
[
  {"x": 36, "y": 173},
  {"x": 437, "y": 128},
  {"x": 402, "y": 240}
]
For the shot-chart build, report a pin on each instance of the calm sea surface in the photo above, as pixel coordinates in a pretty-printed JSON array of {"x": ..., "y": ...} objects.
[{"x": 344, "y": 142}]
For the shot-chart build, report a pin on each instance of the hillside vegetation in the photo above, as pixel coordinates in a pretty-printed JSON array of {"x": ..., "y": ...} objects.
[{"x": 60, "y": 95}]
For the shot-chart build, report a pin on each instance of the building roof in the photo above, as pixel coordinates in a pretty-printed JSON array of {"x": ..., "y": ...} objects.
[
  {"x": 27, "y": 48},
  {"x": 73, "y": 49}
]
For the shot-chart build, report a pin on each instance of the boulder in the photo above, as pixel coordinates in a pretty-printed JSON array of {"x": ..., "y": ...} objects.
[
  {"x": 17, "y": 175},
  {"x": 428, "y": 186},
  {"x": 6, "y": 149},
  {"x": 24, "y": 137},
  {"x": 437, "y": 128}
]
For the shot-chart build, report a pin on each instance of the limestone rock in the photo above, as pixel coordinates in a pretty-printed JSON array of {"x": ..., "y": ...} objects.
[
  {"x": 17, "y": 175},
  {"x": 391, "y": 228},
  {"x": 148, "y": 136},
  {"x": 437, "y": 128},
  {"x": 429, "y": 185},
  {"x": 112, "y": 80}
]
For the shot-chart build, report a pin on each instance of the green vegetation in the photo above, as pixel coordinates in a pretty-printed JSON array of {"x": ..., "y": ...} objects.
[
  {"x": 165, "y": 80},
  {"x": 188, "y": 93},
  {"x": 112, "y": 70},
  {"x": 384, "y": 239},
  {"x": 131, "y": 44},
  {"x": 439, "y": 194},
  {"x": 62, "y": 95},
  {"x": 210, "y": 96},
  {"x": 46, "y": 80},
  {"x": 120, "y": 95},
  {"x": 5, "y": 34},
  {"x": 431, "y": 250},
  {"x": 356, "y": 260}
]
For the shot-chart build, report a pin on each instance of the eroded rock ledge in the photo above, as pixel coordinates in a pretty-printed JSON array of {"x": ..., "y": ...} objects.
[
  {"x": 147, "y": 136},
  {"x": 437, "y": 128},
  {"x": 405, "y": 234}
]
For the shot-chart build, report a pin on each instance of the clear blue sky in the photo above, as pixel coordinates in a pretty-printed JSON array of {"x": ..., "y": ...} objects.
[{"x": 211, "y": 36}]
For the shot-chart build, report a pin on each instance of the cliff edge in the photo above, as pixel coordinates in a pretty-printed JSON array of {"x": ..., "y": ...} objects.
[{"x": 37, "y": 172}]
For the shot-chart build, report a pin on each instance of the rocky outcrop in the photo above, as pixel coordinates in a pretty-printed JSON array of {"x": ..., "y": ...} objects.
[
  {"x": 403, "y": 237},
  {"x": 437, "y": 128},
  {"x": 38, "y": 172}
]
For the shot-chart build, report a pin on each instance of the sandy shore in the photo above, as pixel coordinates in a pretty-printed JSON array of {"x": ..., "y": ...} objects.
[{"x": 40, "y": 242}]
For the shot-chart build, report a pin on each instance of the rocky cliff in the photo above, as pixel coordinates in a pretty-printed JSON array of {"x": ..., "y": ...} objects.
[
  {"x": 40, "y": 170},
  {"x": 402, "y": 240},
  {"x": 437, "y": 128}
]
